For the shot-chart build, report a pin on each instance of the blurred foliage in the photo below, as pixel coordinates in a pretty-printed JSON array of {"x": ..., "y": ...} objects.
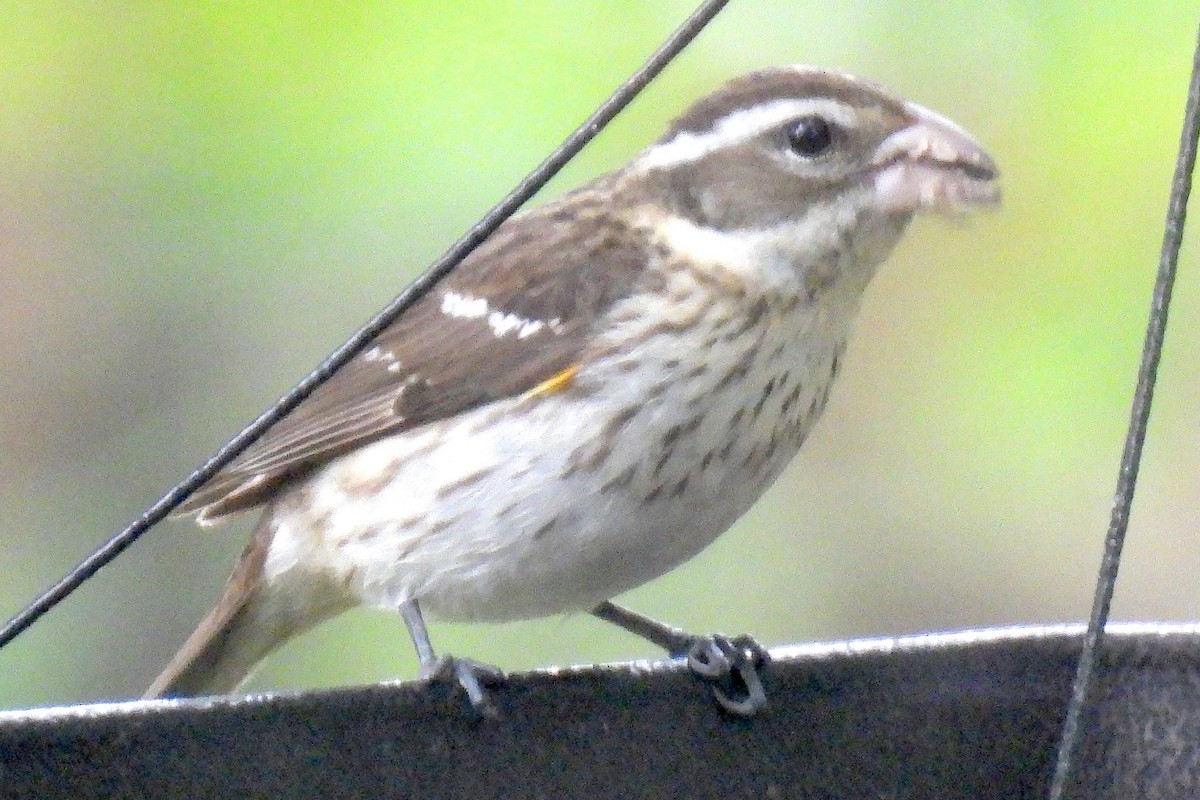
[{"x": 197, "y": 201}]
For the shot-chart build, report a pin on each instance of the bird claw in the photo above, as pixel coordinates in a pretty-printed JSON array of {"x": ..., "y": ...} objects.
[
  {"x": 470, "y": 676},
  {"x": 730, "y": 666}
]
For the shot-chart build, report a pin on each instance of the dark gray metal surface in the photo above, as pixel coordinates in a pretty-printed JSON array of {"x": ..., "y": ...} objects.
[{"x": 970, "y": 715}]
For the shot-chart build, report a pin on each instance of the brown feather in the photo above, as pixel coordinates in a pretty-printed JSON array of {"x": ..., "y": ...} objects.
[
  {"x": 562, "y": 266},
  {"x": 195, "y": 669}
]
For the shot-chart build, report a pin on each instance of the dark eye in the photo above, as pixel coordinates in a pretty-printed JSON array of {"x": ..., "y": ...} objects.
[{"x": 810, "y": 136}]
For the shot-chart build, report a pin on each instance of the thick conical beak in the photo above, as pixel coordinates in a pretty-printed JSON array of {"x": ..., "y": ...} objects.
[{"x": 933, "y": 164}]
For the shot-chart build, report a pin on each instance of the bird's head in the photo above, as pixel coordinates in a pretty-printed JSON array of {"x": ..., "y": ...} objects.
[
  {"x": 771, "y": 145},
  {"x": 807, "y": 172}
]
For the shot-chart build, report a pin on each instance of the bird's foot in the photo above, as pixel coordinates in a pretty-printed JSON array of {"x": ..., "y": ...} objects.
[
  {"x": 471, "y": 676},
  {"x": 731, "y": 668},
  {"x": 729, "y": 665}
]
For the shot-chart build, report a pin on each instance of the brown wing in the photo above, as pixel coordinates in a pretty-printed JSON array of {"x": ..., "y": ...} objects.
[{"x": 513, "y": 314}]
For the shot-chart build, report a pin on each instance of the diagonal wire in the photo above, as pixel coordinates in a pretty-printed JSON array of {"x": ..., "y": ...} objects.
[
  {"x": 1106, "y": 580},
  {"x": 675, "y": 43}
]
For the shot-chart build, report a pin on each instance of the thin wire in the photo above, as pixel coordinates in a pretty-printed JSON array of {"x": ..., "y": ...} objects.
[
  {"x": 1139, "y": 418},
  {"x": 535, "y": 180}
]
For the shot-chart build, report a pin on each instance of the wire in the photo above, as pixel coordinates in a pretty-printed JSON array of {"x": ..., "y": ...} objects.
[
  {"x": 439, "y": 269},
  {"x": 1106, "y": 580}
]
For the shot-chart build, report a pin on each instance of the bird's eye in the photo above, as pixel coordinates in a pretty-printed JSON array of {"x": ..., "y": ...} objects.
[{"x": 810, "y": 136}]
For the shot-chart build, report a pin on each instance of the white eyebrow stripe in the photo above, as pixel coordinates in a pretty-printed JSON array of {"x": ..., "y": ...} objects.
[{"x": 740, "y": 126}]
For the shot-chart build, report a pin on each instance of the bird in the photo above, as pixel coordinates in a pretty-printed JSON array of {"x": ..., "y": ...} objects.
[{"x": 595, "y": 393}]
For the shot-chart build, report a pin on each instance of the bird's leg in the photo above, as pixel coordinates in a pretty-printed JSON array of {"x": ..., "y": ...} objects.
[
  {"x": 470, "y": 675},
  {"x": 729, "y": 665}
]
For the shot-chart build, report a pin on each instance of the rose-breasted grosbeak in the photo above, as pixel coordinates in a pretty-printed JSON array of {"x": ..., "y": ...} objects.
[{"x": 598, "y": 391}]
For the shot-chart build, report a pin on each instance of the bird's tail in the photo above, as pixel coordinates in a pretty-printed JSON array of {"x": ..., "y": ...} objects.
[{"x": 249, "y": 621}]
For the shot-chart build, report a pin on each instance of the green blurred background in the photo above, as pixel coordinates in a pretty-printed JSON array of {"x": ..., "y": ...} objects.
[{"x": 198, "y": 201}]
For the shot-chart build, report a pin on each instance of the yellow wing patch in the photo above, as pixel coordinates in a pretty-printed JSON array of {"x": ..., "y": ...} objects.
[{"x": 557, "y": 382}]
